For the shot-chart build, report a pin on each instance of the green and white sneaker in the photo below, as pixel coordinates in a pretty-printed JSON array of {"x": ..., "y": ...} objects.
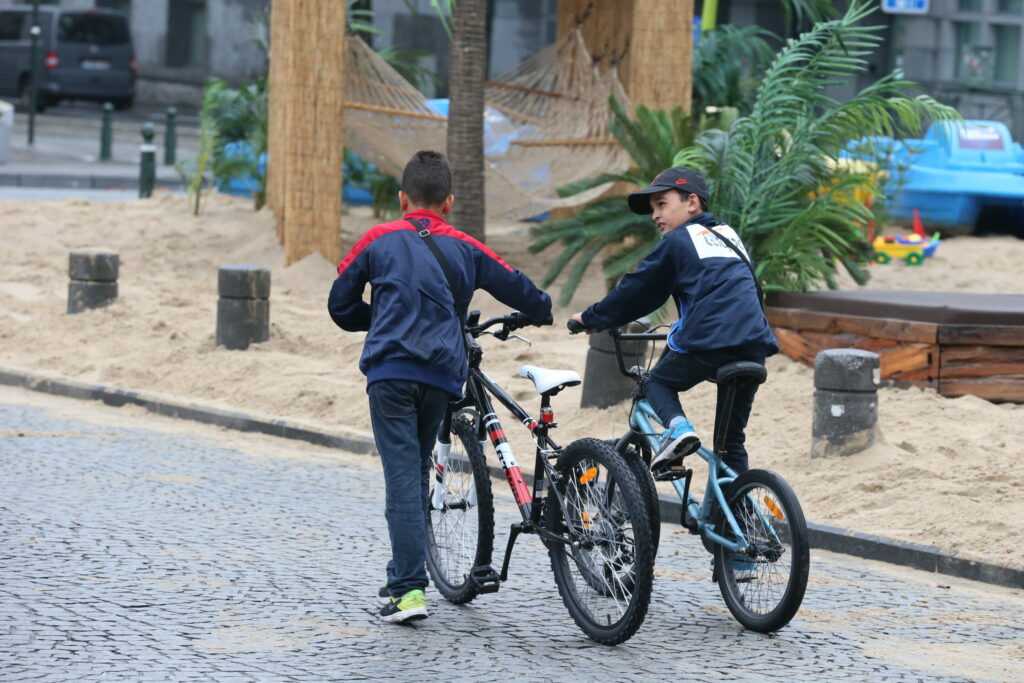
[{"x": 410, "y": 607}]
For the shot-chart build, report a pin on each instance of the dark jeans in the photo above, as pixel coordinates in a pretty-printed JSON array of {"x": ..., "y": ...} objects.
[
  {"x": 676, "y": 372},
  {"x": 405, "y": 418}
]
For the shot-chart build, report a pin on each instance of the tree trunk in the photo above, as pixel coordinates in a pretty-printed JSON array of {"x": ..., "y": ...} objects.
[{"x": 468, "y": 59}]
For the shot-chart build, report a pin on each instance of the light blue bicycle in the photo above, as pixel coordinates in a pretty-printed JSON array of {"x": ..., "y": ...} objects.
[{"x": 751, "y": 523}]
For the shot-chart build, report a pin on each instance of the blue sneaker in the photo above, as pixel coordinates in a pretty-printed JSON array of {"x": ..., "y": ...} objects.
[{"x": 676, "y": 443}]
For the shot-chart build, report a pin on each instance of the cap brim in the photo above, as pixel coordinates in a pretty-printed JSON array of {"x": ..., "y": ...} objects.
[{"x": 639, "y": 202}]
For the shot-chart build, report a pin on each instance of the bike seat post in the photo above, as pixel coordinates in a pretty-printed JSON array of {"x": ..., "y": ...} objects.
[{"x": 723, "y": 413}]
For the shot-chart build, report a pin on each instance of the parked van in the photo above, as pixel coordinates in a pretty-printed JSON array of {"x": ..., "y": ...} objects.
[{"x": 83, "y": 54}]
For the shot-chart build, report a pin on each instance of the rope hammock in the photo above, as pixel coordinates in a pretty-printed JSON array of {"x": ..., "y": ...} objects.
[{"x": 546, "y": 121}]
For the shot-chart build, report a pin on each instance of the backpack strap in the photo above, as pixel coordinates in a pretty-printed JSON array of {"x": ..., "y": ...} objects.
[
  {"x": 728, "y": 243},
  {"x": 445, "y": 266}
]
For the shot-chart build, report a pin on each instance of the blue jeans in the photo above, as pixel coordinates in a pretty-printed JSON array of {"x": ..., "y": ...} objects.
[
  {"x": 405, "y": 418},
  {"x": 677, "y": 372}
]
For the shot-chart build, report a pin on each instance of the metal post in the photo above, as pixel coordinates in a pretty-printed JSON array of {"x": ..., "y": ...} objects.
[
  {"x": 105, "y": 132},
  {"x": 33, "y": 84},
  {"x": 170, "y": 137},
  {"x": 147, "y": 161}
]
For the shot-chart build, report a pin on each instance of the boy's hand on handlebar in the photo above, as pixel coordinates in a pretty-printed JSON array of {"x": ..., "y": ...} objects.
[{"x": 576, "y": 324}]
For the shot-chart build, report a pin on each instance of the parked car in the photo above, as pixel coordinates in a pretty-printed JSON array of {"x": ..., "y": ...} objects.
[{"x": 83, "y": 54}]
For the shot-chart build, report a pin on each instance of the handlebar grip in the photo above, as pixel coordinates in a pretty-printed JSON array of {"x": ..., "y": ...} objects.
[{"x": 574, "y": 326}]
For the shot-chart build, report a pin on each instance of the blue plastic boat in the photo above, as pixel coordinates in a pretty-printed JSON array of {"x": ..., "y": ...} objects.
[{"x": 952, "y": 174}]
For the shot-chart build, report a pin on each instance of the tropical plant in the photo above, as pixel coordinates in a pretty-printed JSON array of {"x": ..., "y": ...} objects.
[
  {"x": 727, "y": 65},
  {"x": 773, "y": 174},
  {"x": 651, "y": 140},
  {"x": 226, "y": 116},
  {"x": 467, "y": 74}
]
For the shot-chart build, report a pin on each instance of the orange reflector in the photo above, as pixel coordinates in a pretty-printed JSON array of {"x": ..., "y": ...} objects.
[
  {"x": 586, "y": 520},
  {"x": 588, "y": 475},
  {"x": 774, "y": 509}
]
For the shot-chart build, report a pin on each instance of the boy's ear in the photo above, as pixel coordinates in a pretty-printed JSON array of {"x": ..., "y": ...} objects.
[
  {"x": 446, "y": 208},
  {"x": 403, "y": 202}
]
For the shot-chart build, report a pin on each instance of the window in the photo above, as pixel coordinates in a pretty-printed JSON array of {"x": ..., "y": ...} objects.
[
  {"x": 1007, "y": 54},
  {"x": 10, "y": 25},
  {"x": 1011, "y": 6},
  {"x": 98, "y": 29},
  {"x": 969, "y": 5},
  {"x": 971, "y": 57}
]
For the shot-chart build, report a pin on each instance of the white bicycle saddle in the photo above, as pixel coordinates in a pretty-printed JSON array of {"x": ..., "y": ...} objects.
[{"x": 545, "y": 380}]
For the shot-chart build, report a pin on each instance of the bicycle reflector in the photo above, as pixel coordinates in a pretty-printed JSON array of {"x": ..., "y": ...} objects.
[
  {"x": 774, "y": 508},
  {"x": 587, "y": 476}
]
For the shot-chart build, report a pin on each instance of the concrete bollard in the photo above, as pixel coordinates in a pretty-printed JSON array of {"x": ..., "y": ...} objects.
[
  {"x": 603, "y": 384},
  {"x": 243, "y": 310},
  {"x": 845, "y": 402},
  {"x": 106, "y": 132},
  {"x": 170, "y": 137},
  {"x": 93, "y": 279}
]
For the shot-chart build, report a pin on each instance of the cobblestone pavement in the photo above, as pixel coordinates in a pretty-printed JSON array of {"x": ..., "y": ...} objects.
[{"x": 138, "y": 548}]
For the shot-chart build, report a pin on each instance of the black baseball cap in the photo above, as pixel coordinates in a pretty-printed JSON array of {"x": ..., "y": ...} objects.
[{"x": 676, "y": 178}]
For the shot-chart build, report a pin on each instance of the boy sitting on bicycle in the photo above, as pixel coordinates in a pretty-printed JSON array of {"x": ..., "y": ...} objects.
[
  {"x": 719, "y": 305},
  {"x": 422, "y": 274}
]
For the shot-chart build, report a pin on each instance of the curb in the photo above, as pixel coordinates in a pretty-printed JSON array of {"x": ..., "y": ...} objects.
[
  {"x": 160, "y": 405},
  {"x": 824, "y": 537},
  {"x": 88, "y": 182}
]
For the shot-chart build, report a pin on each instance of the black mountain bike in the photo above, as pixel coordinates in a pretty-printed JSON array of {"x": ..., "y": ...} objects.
[{"x": 585, "y": 503}]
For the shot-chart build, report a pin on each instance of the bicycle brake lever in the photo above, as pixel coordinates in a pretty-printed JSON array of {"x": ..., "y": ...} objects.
[{"x": 516, "y": 336}]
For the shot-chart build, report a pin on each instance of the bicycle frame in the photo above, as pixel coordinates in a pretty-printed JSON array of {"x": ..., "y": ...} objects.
[
  {"x": 642, "y": 424},
  {"x": 479, "y": 389}
]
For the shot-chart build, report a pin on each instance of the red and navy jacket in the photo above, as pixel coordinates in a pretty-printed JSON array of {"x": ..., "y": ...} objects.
[{"x": 414, "y": 333}]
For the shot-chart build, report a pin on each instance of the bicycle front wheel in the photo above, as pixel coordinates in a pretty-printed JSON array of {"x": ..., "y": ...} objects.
[
  {"x": 605, "y": 566},
  {"x": 460, "y": 531},
  {"x": 763, "y": 587}
]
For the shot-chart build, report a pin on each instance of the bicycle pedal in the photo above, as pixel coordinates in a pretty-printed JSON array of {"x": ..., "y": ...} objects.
[
  {"x": 485, "y": 579},
  {"x": 670, "y": 474}
]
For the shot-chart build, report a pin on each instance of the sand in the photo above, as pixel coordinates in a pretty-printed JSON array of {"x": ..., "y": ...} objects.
[{"x": 948, "y": 472}]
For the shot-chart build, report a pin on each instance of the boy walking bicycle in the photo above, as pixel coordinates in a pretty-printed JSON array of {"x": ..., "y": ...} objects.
[
  {"x": 702, "y": 264},
  {"x": 422, "y": 274}
]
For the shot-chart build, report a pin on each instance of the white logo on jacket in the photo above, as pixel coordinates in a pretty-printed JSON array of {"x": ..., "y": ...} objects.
[{"x": 708, "y": 244}]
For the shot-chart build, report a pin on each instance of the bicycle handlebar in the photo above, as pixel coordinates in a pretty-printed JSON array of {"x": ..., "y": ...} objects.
[{"x": 509, "y": 323}]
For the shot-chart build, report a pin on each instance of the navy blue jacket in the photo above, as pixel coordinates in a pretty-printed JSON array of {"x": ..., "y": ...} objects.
[
  {"x": 713, "y": 289},
  {"x": 414, "y": 333}
]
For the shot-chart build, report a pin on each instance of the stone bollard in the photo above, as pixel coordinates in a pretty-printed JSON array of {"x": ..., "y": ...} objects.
[
  {"x": 845, "y": 402},
  {"x": 93, "y": 282},
  {"x": 603, "y": 384},
  {"x": 243, "y": 310}
]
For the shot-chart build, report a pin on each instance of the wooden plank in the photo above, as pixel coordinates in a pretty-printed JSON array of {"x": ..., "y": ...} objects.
[
  {"x": 884, "y": 328},
  {"x": 795, "y": 346},
  {"x": 982, "y": 370},
  {"x": 911, "y": 362},
  {"x": 984, "y": 354},
  {"x": 993, "y": 389},
  {"x": 994, "y": 335}
]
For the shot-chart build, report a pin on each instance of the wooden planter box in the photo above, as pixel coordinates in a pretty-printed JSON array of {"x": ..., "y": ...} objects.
[{"x": 955, "y": 343}]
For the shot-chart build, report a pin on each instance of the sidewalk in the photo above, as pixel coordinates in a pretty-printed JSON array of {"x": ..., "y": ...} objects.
[{"x": 66, "y": 149}]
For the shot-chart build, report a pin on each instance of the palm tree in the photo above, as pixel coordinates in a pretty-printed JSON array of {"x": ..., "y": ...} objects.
[
  {"x": 467, "y": 73},
  {"x": 774, "y": 175}
]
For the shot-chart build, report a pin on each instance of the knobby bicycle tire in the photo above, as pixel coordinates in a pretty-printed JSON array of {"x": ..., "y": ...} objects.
[
  {"x": 605, "y": 581},
  {"x": 642, "y": 472},
  {"x": 764, "y": 593},
  {"x": 459, "y": 536}
]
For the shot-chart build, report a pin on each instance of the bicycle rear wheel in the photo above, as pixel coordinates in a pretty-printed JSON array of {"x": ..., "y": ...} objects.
[
  {"x": 605, "y": 569},
  {"x": 460, "y": 530},
  {"x": 764, "y": 588}
]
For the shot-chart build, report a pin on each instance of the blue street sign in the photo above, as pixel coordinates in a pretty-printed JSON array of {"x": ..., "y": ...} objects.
[{"x": 905, "y": 6}]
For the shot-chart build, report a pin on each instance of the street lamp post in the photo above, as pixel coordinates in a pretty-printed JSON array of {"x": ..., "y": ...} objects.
[{"x": 33, "y": 84}]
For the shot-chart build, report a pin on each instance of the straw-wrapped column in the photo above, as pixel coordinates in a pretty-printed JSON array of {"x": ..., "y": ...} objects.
[{"x": 307, "y": 125}]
